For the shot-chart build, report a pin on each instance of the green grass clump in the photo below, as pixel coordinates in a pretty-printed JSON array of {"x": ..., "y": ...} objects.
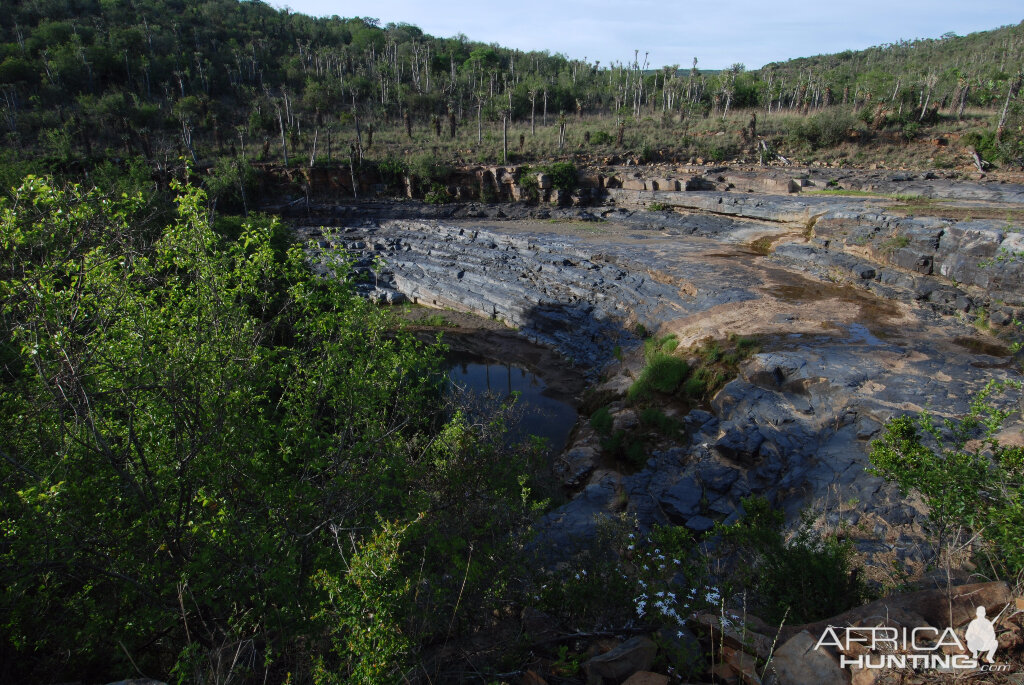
[
  {"x": 626, "y": 446},
  {"x": 436, "y": 320},
  {"x": 655, "y": 418},
  {"x": 664, "y": 373},
  {"x": 664, "y": 345},
  {"x": 601, "y": 421}
]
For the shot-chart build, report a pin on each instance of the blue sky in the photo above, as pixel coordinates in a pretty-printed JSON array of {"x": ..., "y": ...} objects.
[{"x": 717, "y": 33}]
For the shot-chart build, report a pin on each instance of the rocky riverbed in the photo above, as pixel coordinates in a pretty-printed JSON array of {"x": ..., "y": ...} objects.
[{"x": 862, "y": 312}]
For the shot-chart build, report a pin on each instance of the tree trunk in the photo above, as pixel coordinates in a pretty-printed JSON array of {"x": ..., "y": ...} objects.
[
  {"x": 284, "y": 142},
  {"x": 963, "y": 101},
  {"x": 352, "y": 170},
  {"x": 504, "y": 137},
  {"x": 359, "y": 135},
  {"x": 1010, "y": 94}
]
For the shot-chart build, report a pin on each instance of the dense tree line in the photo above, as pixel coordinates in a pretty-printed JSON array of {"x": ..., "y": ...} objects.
[{"x": 84, "y": 79}]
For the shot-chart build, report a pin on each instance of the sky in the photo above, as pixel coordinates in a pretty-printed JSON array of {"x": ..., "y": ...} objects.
[{"x": 719, "y": 33}]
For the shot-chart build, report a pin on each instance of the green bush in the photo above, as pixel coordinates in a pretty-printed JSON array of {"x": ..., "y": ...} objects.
[
  {"x": 526, "y": 178},
  {"x": 426, "y": 169},
  {"x": 822, "y": 130},
  {"x": 806, "y": 578},
  {"x": 209, "y": 451},
  {"x": 601, "y": 138},
  {"x": 972, "y": 483},
  {"x": 626, "y": 446},
  {"x": 563, "y": 176},
  {"x": 664, "y": 345},
  {"x": 437, "y": 195},
  {"x": 393, "y": 171}
]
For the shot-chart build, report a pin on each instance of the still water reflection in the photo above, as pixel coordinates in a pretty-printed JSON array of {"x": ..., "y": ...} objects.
[{"x": 544, "y": 414}]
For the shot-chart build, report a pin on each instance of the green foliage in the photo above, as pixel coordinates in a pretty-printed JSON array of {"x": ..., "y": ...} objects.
[
  {"x": 526, "y": 178},
  {"x": 427, "y": 169},
  {"x": 1008, "y": 149},
  {"x": 804, "y": 578},
  {"x": 231, "y": 185},
  {"x": 655, "y": 418},
  {"x": 601, "y": 420},
  {"x": 626, "y": 446},
  {"x": 437, "y": 195},
  {"x": 601, "y": 138},
  {"x": 665, "y": 345},
  {"x": 436, "y": 320},
  {"x": 563, "y": 175},
  {"x": 204, "y": 445},
  {"x": 658, "y": 207},
  {"x": 823, "y": 130},
  {"x": 592, "y": 590},
  {"x": 972, "y": 483},
  {"x": 392, "y": 172}
]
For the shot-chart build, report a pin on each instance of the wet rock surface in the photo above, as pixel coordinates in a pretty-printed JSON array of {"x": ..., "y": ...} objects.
[{"x": 861, "y": 315}]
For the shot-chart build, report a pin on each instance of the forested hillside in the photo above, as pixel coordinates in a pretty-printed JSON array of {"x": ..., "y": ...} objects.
[
  {"x": 955, "y": 71},
  {"x": 84, "y": 80}
]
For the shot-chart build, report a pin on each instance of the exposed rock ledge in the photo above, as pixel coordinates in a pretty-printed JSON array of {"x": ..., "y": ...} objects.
[{"x": 850, "y": 337}]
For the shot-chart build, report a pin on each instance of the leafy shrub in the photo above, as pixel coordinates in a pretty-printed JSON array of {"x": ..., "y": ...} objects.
[
  {"x": 393, "y": 171},
  {"x": 972, "y": 483},
  {"x": 822, "y": 130},
  {"x": 526, "y": 178},
  {"x": 601, "y": 138},
  {"x": 563, "y": 176},
  {"x": 427, "y": 169},
  {"x": 437, "y": 195},
  {"x": 803, "y": 579},
  {"x": 626, "y": 446},
  {"x": 298, "y": 393},
  {"x": 664, "y": 345}
]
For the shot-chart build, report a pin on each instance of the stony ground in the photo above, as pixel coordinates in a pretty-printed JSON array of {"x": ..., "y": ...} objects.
[{"x": 862, "y": 310}]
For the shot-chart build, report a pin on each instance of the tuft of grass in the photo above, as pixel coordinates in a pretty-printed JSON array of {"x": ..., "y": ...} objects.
[
  {"x": 664, "y": 345},
  {"x": 654, "y": 418},
  {"x": 763, "y": 245},
  {"x": 436, "y": 320},
  {"x": 663, "y": 373},
  {"x": 601, "y": 421},
  {"x": 893, "y": 243}
]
